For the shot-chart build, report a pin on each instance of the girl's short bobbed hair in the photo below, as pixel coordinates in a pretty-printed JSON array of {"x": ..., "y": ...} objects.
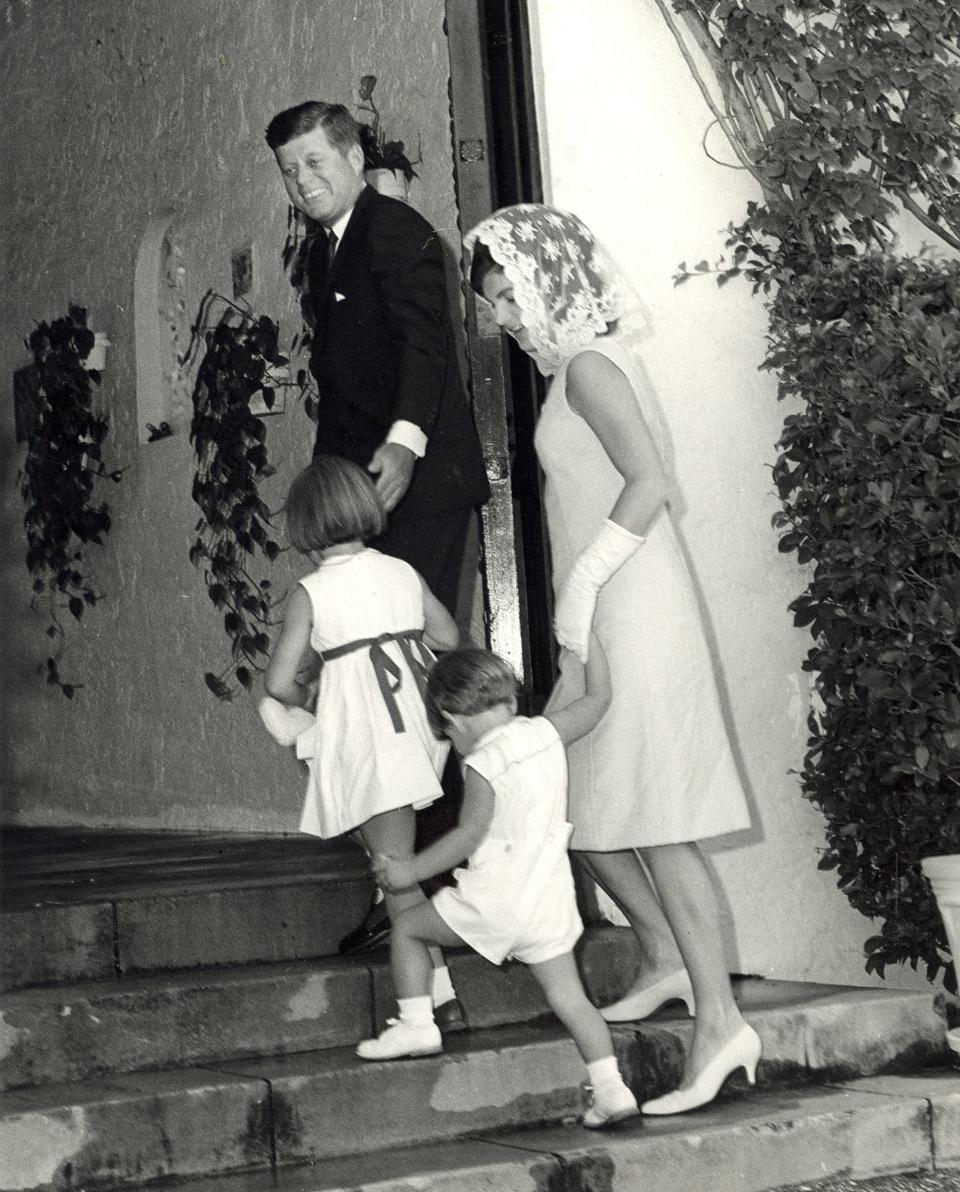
[
  {"x": 332, "y": 501},
  {"x": 466, "y": 682}
]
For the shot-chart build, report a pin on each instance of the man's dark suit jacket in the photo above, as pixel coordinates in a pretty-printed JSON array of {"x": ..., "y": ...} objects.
[{"x": 383, "y": 349}]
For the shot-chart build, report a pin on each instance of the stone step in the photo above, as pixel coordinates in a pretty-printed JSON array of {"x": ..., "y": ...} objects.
[
  {"x": 98, "y": 906},
  {"x": 311, "y": 1107},
  {"x": 69, "y": 1033},
  {"x": 66, "y": 1033},
  {"x": 749, "y": 1141}
]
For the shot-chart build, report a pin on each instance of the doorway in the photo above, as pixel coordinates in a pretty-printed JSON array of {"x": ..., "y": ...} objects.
[{"x": 497, "y": 163}]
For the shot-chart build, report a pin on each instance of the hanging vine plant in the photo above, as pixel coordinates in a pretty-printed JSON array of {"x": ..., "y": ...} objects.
[
  {"x": 241, "y": 359},
  {"x": 64, "y": 440},
  {"x": 845, "y": 112}
]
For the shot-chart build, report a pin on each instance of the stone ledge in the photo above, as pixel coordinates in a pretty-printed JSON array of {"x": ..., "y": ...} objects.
[
  {"x": 750, "y": 1144},
  {"x": 941, "y": 1091},
  {"x": 131, "y": 1129},
  {"x": 746, "y": 1144},
  {"x": 70, "y": 1033}
]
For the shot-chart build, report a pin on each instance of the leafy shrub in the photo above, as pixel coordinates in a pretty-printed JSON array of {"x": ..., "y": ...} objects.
[
  {"x": 845, "y": 113},
  {"x": 869, "y": 476}
]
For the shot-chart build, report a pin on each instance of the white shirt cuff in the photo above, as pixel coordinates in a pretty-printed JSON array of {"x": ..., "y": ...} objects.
[{"x": 408, "y": 435}]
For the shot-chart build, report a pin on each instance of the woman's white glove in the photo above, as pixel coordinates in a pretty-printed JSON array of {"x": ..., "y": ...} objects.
[{"x": 577, "y": 602}]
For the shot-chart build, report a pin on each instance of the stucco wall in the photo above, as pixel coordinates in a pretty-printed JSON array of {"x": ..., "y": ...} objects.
[
  {"x": 118, "y": 111},
  {"x": 622, "y": 123}
]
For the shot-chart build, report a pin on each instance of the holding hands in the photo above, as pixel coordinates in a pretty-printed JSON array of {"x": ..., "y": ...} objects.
[{"x": 392, "y": 874}]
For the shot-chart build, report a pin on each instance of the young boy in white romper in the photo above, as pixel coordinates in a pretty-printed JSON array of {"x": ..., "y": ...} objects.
[{"x": 516, "y": 898}]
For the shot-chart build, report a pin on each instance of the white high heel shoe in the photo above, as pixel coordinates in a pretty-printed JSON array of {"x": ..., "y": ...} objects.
[
  {"x": 647, "y": 1001},
  {"x": 742, "y": 1051}
]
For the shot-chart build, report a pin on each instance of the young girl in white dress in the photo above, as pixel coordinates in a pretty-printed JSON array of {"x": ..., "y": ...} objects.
[
  {"x": 516, "y": 897},
  {"x": 371, "y": 756}
]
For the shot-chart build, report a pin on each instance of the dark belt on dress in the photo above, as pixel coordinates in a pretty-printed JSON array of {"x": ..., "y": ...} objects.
[{"x": 388, "y": 674}]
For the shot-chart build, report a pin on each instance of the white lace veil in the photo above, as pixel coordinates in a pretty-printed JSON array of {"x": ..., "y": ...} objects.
[
  {"x": 569, "y": 291},
  {"x": 566, "y": 284}
]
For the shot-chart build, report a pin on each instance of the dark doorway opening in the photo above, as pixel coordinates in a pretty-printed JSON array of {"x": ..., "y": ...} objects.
[{"x": 517, "y": 179}]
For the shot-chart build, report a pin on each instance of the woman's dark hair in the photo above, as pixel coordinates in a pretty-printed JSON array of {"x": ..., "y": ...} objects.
[
  {"x": 332, "y": 500},
  {"x": 341, "y": 129},
  {"x": 481, "y": 263},
  {"x": 466, "y": 682}
]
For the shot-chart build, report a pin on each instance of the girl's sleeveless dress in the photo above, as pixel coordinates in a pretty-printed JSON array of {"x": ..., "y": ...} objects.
[
  {"x": 658, "y": 768},
  {"x": 370, "y": 749}
]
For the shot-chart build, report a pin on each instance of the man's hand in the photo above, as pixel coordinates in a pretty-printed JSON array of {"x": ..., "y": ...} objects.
[
  {"x": 392, "y": 464},
  {"x": 391, "y": 873}
]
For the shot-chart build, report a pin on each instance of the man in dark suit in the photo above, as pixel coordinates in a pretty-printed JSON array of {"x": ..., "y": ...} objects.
[
  {"x": 383, "y": 355},
  {"x": 391, "y": 396}
]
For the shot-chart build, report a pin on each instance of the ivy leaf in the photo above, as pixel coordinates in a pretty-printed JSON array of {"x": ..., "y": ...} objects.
[{"x": 217, "y": 686}]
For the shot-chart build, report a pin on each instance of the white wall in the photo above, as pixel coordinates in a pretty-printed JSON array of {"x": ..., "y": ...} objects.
[{"x": 622, "y": 124}]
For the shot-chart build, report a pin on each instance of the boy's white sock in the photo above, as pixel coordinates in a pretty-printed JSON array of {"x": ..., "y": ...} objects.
[
  {"x": 415, "y": 1011},
  {"x": 442, "y": 989},
  {"x": 604, "y": 1071}
]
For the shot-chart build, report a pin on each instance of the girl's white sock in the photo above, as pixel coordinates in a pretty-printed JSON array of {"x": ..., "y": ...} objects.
[
  {"x": 442, "y": 988},
  {"x": 604, "y": 1071},
  {"x": 416, "y": 1011}
]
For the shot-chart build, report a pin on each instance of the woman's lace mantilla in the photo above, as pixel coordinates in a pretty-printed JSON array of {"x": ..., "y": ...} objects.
[{"x": 564, "y": 282}]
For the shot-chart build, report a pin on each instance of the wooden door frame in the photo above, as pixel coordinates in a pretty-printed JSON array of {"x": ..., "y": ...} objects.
[{"x": 488, "y": 38}]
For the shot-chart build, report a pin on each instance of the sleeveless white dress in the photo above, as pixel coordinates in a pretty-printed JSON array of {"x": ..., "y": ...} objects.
[
  {"x": 658, "y": 768},
  {"x": 370, "y": 748}
]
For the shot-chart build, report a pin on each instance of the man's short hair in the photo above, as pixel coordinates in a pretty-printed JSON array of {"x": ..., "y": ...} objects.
[
  {"x": 341, "y": 129},
  {"x": 466, "y": 682}
]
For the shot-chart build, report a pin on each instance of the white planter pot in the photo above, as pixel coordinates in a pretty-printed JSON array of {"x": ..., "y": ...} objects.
[{"x": 943, "y": 874}]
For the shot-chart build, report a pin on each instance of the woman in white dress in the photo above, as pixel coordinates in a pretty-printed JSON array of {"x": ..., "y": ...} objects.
[{"x": 656, "y": 775}]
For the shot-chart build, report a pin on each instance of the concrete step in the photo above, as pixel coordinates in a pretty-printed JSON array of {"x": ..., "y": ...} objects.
[
  {"x": 99, "y": 906},
  {"x": 313, "y": 1107},
  {"x": 66, "y": 1033},
  {"x": 69, "y": 1033},
  {"x": 744, "y": 1142}
]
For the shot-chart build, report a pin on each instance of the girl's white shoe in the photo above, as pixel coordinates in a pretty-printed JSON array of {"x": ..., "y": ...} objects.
[
  {"x": 742, "y": 1051},
  {"x": 611, "y": 1102},
  {"x": 402, "y": 1039},
  {"x": 647, "y": 1001},
  {"x": 282, "y": 723}
]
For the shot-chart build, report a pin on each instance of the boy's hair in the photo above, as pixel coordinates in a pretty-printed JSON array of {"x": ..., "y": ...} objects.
[
  {"x": 331, "y": 501},
  {"x": 466, "y": 682},
  {"x": 340, "y": 128}
]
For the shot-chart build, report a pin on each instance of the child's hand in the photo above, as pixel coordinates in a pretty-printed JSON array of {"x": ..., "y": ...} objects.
[
  {"x": 310, "y": 703},
  {"x": 392, "y": 873}
]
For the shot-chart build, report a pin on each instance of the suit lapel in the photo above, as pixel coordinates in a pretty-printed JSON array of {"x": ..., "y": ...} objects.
[
  {"x": 354, "y": 232},
  {"x": 322, "y": 274}
]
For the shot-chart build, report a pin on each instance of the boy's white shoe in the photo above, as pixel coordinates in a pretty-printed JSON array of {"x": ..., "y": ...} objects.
[
  {"x": 282, "y": 723},
  {"x": 401, "y": 1039},
  {"x": 611, "y": 1102}
]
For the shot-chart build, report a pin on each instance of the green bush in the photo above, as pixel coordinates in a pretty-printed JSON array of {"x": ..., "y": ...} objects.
[
  {"x": 869, "y": 476},
  {"x": 845, "y": 114}
]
